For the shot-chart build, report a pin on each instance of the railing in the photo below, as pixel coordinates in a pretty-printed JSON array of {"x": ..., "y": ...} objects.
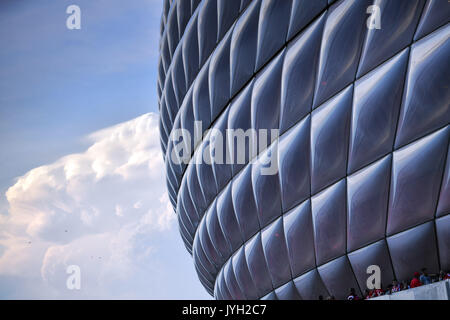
[{"x": 434, "y": 291}]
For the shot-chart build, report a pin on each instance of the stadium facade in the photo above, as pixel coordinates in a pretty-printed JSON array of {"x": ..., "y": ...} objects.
[{"x": 363, "y": 116}]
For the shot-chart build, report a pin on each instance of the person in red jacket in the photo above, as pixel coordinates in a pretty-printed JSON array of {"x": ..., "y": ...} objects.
[
  {"x": 415, "y": 282},
  {"x": 378, "y": 292}
]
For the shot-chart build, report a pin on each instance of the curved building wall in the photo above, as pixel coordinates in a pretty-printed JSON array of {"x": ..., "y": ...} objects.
[{"x": 363, "y": 167}]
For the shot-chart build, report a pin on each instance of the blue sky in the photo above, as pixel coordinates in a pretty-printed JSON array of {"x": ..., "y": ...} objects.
[{"x": 78, "y": 127}]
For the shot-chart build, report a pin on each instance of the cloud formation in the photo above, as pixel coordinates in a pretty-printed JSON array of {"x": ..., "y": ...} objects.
[{"x": 106, "y": 210}]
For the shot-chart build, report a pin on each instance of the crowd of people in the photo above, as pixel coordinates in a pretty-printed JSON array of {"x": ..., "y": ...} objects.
[{"x": 419, "y": 279}]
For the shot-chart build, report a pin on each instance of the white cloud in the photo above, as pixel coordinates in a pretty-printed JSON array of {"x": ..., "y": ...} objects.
[{"x": 105, "y": 210}]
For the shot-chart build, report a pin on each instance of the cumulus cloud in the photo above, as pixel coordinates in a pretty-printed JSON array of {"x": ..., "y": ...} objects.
[{"x": 105, "y": 209}]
